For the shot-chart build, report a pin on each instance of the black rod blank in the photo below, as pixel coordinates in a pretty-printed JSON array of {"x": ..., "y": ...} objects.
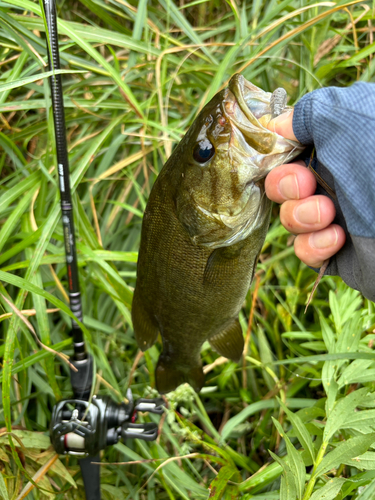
[
  {"x": 81, "y": 379},
  {"x": 64, "y": 178}
]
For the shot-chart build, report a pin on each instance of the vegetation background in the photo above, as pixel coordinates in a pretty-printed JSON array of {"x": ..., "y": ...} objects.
[{"x": 137, "y": 74}]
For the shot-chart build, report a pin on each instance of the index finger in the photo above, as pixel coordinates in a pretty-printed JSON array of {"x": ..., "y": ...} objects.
[{"x": 283, "y": 125}]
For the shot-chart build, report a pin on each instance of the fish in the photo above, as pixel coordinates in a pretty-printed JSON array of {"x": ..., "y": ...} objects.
[{"x": 203, "y": 229}]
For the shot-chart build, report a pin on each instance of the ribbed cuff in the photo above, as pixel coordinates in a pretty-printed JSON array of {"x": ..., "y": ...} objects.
[{"x": 302, "y": 120}]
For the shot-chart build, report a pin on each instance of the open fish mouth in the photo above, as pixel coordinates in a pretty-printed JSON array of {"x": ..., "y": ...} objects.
[
  {"x": 252, "y": 110},
  {"x": 254, "y": 102}
]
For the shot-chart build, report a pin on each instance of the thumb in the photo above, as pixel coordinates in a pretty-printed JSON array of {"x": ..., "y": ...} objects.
[{"x": 283, "y": 125}]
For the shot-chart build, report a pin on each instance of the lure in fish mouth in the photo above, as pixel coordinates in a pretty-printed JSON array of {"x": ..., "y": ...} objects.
[{"x": 203, "y": 229}]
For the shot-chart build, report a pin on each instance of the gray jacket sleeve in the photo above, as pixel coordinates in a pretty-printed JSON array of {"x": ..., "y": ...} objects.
[{"x": 340, "y": 123}]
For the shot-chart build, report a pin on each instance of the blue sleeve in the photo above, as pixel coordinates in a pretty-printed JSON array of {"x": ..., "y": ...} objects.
[{"x": 340, "y": 122}]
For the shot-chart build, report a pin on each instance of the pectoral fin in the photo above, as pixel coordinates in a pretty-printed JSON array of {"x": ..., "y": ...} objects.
[
  {"x": 229, "y": 343},
  {"x": 145, "y": 331},
  {"x": 221, "y": 264}
]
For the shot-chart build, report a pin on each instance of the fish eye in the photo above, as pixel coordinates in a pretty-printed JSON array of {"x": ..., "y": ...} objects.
[{"x": 203, "y": 151}]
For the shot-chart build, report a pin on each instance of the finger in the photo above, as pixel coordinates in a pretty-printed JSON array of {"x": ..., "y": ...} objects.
[
  {"x": 314, "y": 248},
  {"x": 283, "y": 125},
  {"x": 290, "y": 182},
  {"x": 304, "y": 216}
]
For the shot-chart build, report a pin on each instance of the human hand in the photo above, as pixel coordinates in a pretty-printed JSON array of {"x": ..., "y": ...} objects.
[{"x": 302, "y": 213}]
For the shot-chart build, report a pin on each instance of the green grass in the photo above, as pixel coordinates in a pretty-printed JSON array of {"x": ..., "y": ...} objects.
[{"x": 136, "y": 75}]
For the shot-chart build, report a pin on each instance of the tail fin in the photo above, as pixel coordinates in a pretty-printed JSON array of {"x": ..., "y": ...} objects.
[{"x": 169, "y": 375}]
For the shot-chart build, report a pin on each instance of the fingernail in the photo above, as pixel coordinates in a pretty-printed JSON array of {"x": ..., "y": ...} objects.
[
  {"x": 308, "y": 212},
  {"x": 288, "y": 187},
  {"x": 325, "y": 238}
]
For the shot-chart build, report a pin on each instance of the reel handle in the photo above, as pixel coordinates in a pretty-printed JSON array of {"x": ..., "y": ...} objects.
[
  {"x": 146, "y": 432},
  {"x": 151, "y": 405}
]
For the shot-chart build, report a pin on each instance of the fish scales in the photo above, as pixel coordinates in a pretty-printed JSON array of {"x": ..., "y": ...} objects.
[{"x": 202, "y": 232}]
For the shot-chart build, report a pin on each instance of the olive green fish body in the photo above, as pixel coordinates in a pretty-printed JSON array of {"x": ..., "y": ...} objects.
[{"x": 202, "y": 232}]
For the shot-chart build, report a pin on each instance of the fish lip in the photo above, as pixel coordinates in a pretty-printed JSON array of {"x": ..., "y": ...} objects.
[{"x": 237, "y": 85}]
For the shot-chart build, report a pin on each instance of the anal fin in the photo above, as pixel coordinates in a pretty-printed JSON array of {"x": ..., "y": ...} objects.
[
  {"x": 229, "y": 342},
  {"x": 169, "y": 375},
  {"x": 145, "y": 331}
]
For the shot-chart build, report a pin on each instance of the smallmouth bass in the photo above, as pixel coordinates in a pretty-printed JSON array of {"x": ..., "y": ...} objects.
[{"x": 203, "y": 229}]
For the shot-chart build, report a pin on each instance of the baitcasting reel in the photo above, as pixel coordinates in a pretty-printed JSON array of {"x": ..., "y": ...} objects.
[{"x": 83, "y": 428}]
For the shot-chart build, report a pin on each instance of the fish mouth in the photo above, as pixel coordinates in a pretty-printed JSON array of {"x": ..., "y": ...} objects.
[
  {"x": 242, "y": 91},
  {"x": 254, "y": 104}
]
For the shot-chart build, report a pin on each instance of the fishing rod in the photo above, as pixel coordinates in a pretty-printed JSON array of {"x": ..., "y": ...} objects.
[{"x": 81, "y": 427}]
